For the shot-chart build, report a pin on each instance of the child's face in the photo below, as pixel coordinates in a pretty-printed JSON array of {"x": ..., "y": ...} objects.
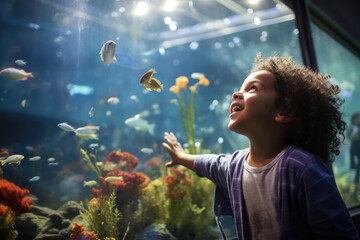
[{"x": 253, "y": 108}]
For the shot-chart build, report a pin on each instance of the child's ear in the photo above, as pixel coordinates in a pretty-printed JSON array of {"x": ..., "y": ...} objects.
[{"x": 282, "y": 118}]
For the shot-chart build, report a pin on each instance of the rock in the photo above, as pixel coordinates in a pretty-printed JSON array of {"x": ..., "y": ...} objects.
[
  {"x": 42, "y": 211},
  {"x": 29, "y": 225},
  {"x": 49, "y": 237},
  {"x": 56, "y": 219},
  {"x": 156, "y": 231},
  {"x": 70, "y": 210},
  {"x": 65, "y": 223}
]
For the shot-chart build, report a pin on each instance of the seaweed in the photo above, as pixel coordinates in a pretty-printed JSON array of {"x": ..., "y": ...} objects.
[
  {"x": 92, "y": 165},
  {"x": 7, "y": 230},
  {"x": 102, "y": 216}
]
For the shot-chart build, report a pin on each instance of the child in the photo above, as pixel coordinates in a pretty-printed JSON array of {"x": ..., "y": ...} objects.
[{"x": 281, "y": 187}]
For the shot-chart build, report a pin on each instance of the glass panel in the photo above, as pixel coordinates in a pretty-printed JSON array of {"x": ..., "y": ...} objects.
[
  {"x": 343, "y": 67},
  {"x": 78, "y": 116}
]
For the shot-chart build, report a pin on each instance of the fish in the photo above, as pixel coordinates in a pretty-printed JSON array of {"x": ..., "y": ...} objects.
[
  {"x": 66, "y": 127},
  {"x": 51, "y": 159},
  {"x": 107, "y": 52},
  {"x": 90, "y": 183},
  {"x": 92, "y": 128},
  {"x": 79, "y": 89},
  {"x": 12, "y": 159},
  {"x": 91, "y": 112},
  {"x": 111, "y": 179},
  {"x": 113, "y": 100},
  {"x": 53, "y": 164},
  {"x": 147, "y": 150},
  {"x": 149, "y": 82},
  {"x": 134, "y": 98},
  {"x": 35, "y": 158},
  {"x": 20, "y": 62},
  {"x": 15, "y": 74},
  {"x": 34, "y": 179},
  {"x": 85, "y": 133},
  {"x": 140, "y": 124},
  {"x": 93, "y": 145},
  {"x": 23, "y": 103},
  {"x": 197, "y": 75}
]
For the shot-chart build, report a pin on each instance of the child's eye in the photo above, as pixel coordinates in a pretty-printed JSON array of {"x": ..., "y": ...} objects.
[{"x": 253, "y": 87}]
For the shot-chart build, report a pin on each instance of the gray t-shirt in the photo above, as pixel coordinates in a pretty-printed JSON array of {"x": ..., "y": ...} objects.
[{"x": 261, "y": 193}]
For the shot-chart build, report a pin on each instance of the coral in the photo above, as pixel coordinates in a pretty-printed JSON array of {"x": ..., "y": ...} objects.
[
  {"x": 103, "y": 216},
  {"x": 92, "y": 165},
  {"x": 14, "y": 197},
  {"x": 122, "y": 160},
  {"x": 177, "y": 184},
  {"x": 80, "y": 234}
]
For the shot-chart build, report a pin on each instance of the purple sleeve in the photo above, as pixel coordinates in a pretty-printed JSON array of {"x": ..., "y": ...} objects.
[{"x": 213, "y": 167}]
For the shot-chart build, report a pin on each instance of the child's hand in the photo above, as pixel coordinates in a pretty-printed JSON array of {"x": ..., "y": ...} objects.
[{"x": 174, "y": 148}]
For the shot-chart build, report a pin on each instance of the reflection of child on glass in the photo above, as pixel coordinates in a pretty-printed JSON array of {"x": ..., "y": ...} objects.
[
  {"x": 281, "y": 187},
  {"x": 353, "y": 133}
]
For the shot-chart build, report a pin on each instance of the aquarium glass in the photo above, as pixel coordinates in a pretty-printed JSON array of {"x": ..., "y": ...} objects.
[
  {"x": 343, "y": 67},
  {"x": 91, "y": 135}
]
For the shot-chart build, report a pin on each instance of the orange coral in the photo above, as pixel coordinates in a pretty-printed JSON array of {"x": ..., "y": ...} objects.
[
  {"x": 182, "y": 82},
  {"x": 175, "y": 89},
  {"x": 80, "y": 234},
  {"x": 14, "y": 197},
  {"x": 175, "y": 184},
  {"x": 123, "y": 160},
  {"x": 193, "y": 88},
  {"x": 204, "y": 81}
]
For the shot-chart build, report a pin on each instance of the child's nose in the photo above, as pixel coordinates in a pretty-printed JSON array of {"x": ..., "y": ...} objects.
[{"x": 237, "y": 95}]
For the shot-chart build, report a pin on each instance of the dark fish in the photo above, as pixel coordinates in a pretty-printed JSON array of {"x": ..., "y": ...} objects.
[{"x": 147, "y": 76}]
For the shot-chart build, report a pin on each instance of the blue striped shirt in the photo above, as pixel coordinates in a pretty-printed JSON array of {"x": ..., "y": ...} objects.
[{"x": 310, "y": 205}]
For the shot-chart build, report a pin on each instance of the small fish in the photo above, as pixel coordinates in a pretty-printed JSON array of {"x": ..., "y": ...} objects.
[
  {"x": 51, "y": 159},
  {"x": 113, "y": 100},
  {"x": 66, "y": 127},
  {"x": 23, "y": 103},
  {"x": 111, "y": 179},
  {"x": 12, "y": 159},
  {"x": 20, "y": 62},
  {"x": 53, "y": 164},
  {"x": 140, "y": 124},
  {"x": 15, "y": 74},
  {"x": 35, "y": 158},
  {"x": 147, "y": 150},
  {"x": 93, "y": 145},
  {"x": 87, "y": 136},
  {"x": 75, "y": 89},
  {"x": 92, "y": 128},
  {"x": 99, "y": 164},
  {"x": 34, "y": 179},
  {"x": 107, "y": 52},
  {"x": 84, "y": 130},
  {"x": 134, "y": 98},
  {"x": 108, "y": 113},
  {"x": 197, "y": 75},
  {"x": 149, "y": 82},
  {"x": 91, "y": 112},
  {"x": 90, "y": 183}
]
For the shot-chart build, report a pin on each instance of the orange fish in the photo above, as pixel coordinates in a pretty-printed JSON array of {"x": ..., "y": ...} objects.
[{"x": 15, "y": 74}]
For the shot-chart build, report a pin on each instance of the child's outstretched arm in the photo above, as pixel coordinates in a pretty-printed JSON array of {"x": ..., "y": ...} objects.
[{"x": 177, "y": 153}]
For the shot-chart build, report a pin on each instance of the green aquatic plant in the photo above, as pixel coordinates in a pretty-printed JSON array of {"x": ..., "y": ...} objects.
[
  {"x": 349, "y": 191},
  {"x": 87, "y": 159},
  {"x": 187, "y": 110},
  {"x": 7, "y": 230},
  {"x": 102, "y": 217}
]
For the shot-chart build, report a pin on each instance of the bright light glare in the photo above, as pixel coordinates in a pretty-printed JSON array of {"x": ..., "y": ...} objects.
[
  {"x": 167, "y": 20},
  {"x": 141, "y": 9},
  {"x": 257, "y": 20},
  {"x": 170, "y": 5},
  {"x": 253, "y": 2},
  {"x": 173, "y": 26}
]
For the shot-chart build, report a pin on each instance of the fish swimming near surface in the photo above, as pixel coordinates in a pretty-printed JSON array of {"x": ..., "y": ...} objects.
[
  {"x": 113, "y": 100},
  {"x": 140, "y": 124},
  {"x": 15, "y": 74},
  {"x": 90, "y": 183},
  {"x": 51, "y": 159},
  {"x": 65, "y": 126},
  {"x": 147, "y": 150},
  {"x": 34, "y": 179},
  {"x": 53, "y": 164},
  {"x": 20, "y": 62},
  {"x": 114, "y": 178},
  {"x": 85, "y": 133},
  {"x": 149, "y": 82},
  {"x": 12, "y": 159},
  {"x": 107, "y": 52}
]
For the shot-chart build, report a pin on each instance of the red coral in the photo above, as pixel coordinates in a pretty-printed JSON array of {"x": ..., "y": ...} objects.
[
  {"x": 14, "y": 197},
  {"x": 80, "y": 234},
  {"x": 176, "y": 184},
  {"x": 122, "y": 160},
  {"x": 134, "y": 181},
  {"x": 4, "y": 210}
]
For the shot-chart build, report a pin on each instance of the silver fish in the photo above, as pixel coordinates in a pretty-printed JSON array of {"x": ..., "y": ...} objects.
[
  {"x": 107, "y": 52},
  {"x": 140, "y": 124}
]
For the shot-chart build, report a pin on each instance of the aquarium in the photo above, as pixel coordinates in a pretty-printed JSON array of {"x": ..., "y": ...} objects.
[{"x": 88, "y": 89}]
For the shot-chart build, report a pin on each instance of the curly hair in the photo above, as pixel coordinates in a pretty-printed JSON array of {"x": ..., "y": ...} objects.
[{"x": 311, "y": 101}]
